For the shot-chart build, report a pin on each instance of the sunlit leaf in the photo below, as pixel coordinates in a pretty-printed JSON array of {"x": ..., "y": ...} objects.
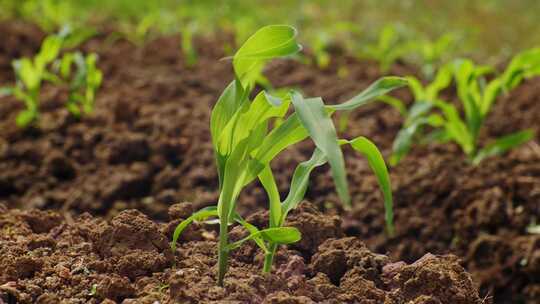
[{"x": 315, "y": 119}]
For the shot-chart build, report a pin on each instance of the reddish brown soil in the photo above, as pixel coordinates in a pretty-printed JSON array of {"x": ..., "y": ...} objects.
[
  {"x": 147, "y": 147},
  {"x": 128, "y": 260}
]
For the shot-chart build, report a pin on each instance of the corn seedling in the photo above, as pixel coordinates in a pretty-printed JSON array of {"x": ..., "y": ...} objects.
[
  {"x": 418, "y": 116},
  {"x": 30, "y": 74},
  {"x": 431, "y": 53},
  {"x": 477, "y": 96},
  {"x": 244, "y": 145},
  {"x": 188, "y": 48},
  {"x": 388, "y": 48},
  {"x": 83, "y": 84},
  {"x": 46, "y": 66}
]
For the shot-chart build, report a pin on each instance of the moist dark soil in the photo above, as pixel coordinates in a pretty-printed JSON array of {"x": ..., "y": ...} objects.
[
  {"x": 128, "y": 260},
  {"x": 147, "y": 147}
]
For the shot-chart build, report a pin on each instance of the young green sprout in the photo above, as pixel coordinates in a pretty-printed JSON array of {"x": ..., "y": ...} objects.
[
  {"x": 477, "y": 96},
  {"x": 418, "y": 116},
  {"x": 432, "y": 53},
  {"x": 188, "y": 48},
  {"x": 30, "y": 74},
  {"x": 387, "y": 49},
  {"x": 246, "y": 140},
  {"x": 84, "y": 83},
  {"x": 46, "y": 66}
]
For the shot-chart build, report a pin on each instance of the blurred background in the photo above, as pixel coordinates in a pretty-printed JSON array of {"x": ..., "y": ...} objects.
[{"x": 485, "y": 30}]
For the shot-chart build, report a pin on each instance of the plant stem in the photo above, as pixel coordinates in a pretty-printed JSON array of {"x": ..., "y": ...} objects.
[
  {"x": 269, "y": 259},
  {"x": 223, "y": 254}
]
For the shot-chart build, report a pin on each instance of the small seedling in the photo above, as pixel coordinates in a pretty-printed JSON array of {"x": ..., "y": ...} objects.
[
  {"x": 46, "y": 66},
  {"x": 83, "y": 84},
  {"x": 387, "y": 49},
  {"x": 245, "y": 144},
  {"x": 418, "y": 116},
  {"x": 477, "y": 96},
  {"x": 30, "y": 74},
  {"x": 432, "y": 53},
  {"x": 188, "y": 48}
]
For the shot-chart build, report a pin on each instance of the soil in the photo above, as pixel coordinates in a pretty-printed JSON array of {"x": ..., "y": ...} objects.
[
  {"x": 128, "y": 260},
  {"x": 147, "y": 147}
]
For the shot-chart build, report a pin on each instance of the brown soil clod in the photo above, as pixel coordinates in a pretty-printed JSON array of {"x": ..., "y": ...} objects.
[{"x": 128, "y": 260}]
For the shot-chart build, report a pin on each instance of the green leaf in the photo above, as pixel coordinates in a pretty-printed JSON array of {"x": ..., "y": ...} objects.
[
  {"x": 260, "y": 111},
  {"x": 300, "y": 182},
  {"x": 50, "y": 48},
  {"x": 197, "y": 216},
  {"x": 279, "y": 235},
  {"x": 226, "y": 107},
  {"x": 25, "y": 118},
  {"x": 419, "y": 109},
  {"x": 65, "y": 65},
  {"x": 234, "y": 178},
  {"x": 395, "y": 103},
  {"x": 380, "y": 87},
  {"x": 442, "y": 80},
  {"x": 375, "y": 160},
  {"x": 286, "y": 134},
  {"x": 269, "y": 42},
  {"x": 416, "y": 88},
  {"x": 269, "y": 184},
  {"x": 503, "y": 144},
  {"x": 314, "y": 118},
  {"x": 254, "y": 231},
  {"x": 456, "y": 128},
  {"x": 466, "y": 75},
  {"x": 403, "y": 141},
  {"x": 27, "y": 73},
  {"x": 491, "y": 92}
]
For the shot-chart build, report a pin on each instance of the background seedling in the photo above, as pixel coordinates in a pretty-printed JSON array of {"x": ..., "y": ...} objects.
[
  {"x": 388, "y": 48},
  {"x": 46, "y": 66},
  {"x": 430, "y": 54},
  {"x": 244, "y": 146},
  {"x": 477, "y": 96},
  {"x": 30, "y": 74},
  {"x": 418, "y": 116},
  {"x": 84, "y": 83}
]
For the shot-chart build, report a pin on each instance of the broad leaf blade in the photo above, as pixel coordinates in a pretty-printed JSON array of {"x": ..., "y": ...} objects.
[
  {"x": 314, "y": 118},
  {"x": 281, "y": 235},
  {"x": 227, "y": 105},
  {"x": 269, "y": 42},
  {"x": 286, "y": 134}
]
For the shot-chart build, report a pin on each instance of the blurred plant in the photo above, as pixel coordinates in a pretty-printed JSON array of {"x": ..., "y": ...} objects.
[
  {"x": 188, "y": 48},
  {"x": 388, "y": 48},
  {"x": 418, "y": 116},
  {"x": 477, "y": 96},
  {"x": 84, "y": 83},
  {"x": 31, "y": 73},
  {"x": 430, "y": 54}
]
